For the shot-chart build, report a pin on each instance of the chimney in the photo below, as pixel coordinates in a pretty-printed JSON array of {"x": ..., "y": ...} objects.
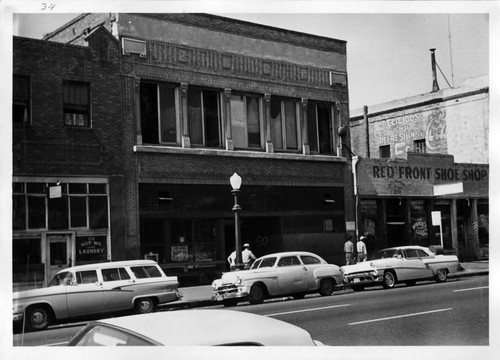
[{"x": 435, "y": 86}]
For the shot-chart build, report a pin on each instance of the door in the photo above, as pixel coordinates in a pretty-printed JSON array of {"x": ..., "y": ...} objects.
[
  {"x": 59, "y": 254},
  {"x": 292, "y": 275}
]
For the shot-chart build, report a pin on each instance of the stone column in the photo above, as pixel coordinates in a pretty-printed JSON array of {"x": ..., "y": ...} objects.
[
  {"x": 227, "y": 119},
  {"x": 267, "y": 122},
  {"x": 185, "y": 141},
  {"x": 303, "y": 121},
  {"x": 137, "y": 102}
]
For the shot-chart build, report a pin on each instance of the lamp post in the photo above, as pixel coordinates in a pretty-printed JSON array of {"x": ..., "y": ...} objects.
[{"x": 235, "y": 181}]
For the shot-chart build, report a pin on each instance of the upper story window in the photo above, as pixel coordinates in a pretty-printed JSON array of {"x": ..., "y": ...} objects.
[
  {"x": 76, "y": 104},
  {"x": 158, "y": 113},
  {"x": 246, "y": 121},
  {"x": 384, "y": 151},
  {"x": 21, "y": 100},
  {"x": 419, "y": 146},
  {"x": 320, "y": 132},
  {"x": 204, "y": 117},
  {"x": 284, "y": 124}
]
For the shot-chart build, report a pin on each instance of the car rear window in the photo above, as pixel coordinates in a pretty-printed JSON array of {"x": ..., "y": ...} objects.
[
  {"x": 86, "y": 277},
  {"x": 267, "y": 262},
  {"x": 307, "y": 260},
  {"x": 288, "y": 261},
  {"x": 142, "y": 272},
  {"x": 115, "y": 274}
]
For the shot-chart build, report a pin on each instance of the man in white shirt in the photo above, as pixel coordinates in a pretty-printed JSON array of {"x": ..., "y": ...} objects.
[
  {"x": 361, "y": 249},
  {"x": 231, "y": 259},
  {"x": 247, "y": 256}
]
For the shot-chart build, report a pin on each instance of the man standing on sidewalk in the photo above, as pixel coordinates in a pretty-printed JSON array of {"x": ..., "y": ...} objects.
[
  {"x": 348, "y": 250},
  {"x": 361, "y": 249}
]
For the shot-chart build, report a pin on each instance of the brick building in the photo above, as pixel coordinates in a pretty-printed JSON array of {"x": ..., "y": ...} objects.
[
  {"x": 67, "y": 155},
  {"x": 203, "y": 97},
  {"x": 421, "y": 155}
]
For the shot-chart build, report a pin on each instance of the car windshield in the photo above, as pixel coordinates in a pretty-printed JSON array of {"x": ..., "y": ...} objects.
[
  {"x": 61, "y": 279},
  {"x": 385, "y": 253}
]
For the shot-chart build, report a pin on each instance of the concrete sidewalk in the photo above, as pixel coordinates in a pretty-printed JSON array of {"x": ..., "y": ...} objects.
[{"x": 198, "y": 296}]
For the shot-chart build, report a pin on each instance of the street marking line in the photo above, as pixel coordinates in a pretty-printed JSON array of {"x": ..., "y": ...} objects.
[
  {"x": 306, "y": 310},
  {"x": 469, "y": 289},
  {"x": 399, "y": 316}
]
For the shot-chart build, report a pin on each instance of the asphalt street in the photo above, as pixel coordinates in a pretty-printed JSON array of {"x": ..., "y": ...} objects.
[{"x": 451, "y": 313}]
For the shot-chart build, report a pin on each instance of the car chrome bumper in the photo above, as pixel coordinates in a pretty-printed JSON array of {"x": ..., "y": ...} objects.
[
  {"x": 18, "y": 317},
  {"x": 230, "y": 292},
  {"x": 362, "y": 277}
]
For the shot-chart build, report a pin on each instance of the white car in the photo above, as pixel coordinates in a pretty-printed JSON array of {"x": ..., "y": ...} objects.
[
  {"x": 294, "y": 273},
  {"x": 94, "y": 289},
  {"x": 403, "y": 264},
  {"x": 193, "y": 328}
]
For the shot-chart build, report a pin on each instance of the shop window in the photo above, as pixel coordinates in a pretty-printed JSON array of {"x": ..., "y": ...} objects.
[
  {"x": 21, "y": 100},
  {"x": 319, "y": 128},
  {"x": 98, "y": 212},
  {"x": 36, "y": 212},
  {"x": 27, "y": 263},
  {"x": 246, "y": 121},
  {"x": 419, "y": 226},
  {"x": 58, "y": 213},
  {"x": 384, "y": 151},
  {"x": 76, "y": 104},
  {"x": 284, "y": 124},
  {"x": 419, "y": 146},
  {"x": 158, "y": 113},
  {"x": 204, "y": 117}
]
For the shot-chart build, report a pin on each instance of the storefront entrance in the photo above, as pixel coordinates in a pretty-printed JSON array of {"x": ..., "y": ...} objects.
[{"x": 59, "y": 254}]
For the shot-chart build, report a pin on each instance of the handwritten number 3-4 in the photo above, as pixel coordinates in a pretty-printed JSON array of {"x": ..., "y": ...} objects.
[{"x": 48, "y": 6}]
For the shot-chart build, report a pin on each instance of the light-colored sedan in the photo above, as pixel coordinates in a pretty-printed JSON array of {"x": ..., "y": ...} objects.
[
  {"x": 193, "y": 328},
  {"x": 404, "y": 264},
  {"x": 293, "y": 274},
  {"x": 94, "y": 289}
]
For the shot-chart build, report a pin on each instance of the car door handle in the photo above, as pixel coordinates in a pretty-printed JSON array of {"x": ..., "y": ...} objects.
[{"x": 304, "y": 268}]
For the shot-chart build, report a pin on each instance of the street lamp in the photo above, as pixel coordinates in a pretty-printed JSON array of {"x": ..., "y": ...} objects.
[{"x": 235, "y": 181}]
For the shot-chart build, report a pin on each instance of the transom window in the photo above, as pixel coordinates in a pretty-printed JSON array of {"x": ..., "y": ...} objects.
[
  {"x": 284, "y": 124},
  {"x": 245, "y": 121},
  {"x": 76, "y": 104},
  {"x": 80, "y": 205},
  {"x": 21, "y": 100}
]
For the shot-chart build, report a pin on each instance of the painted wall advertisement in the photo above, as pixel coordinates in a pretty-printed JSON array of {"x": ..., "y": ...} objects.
[{"x": 402, "y": 131}]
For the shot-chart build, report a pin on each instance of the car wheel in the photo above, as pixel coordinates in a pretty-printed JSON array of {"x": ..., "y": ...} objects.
[
  {"x": 257, "y": 294},
  {"x": 441, "y": 275},
  {"x": 298, "y": 296},
  {"x": 326, "y": 287},
  {"x": 410, "y": 283},
  {"x": 389, "y": 279},
  {"x": 38, "y": 318},
  {"x": 230, "y": 302},
  {"x": 145, "y": 306}
]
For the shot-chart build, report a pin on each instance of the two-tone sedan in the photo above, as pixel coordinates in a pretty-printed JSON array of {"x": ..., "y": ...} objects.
[
  {"x": 282, "y": 274},
  {"x": 403, "y": 264}
]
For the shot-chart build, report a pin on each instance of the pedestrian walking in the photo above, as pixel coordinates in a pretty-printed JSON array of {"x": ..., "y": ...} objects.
[
  {"x": 361, "y": 249},
  {"x": 349, "y": 250},
  {"x": 231, "y": 259},
  {"x": 247, "y": 256}
]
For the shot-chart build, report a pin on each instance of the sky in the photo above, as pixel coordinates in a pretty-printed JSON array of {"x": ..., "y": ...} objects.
[{"x": 388, "y": 56}]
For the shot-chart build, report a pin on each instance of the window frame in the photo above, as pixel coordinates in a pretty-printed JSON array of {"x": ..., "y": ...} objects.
[
  {"x": 244, "y": 98},
  {"x": 332, "y": 124},
  {"x": 203, "y": 117},
  {"x": 18, "y": 101},
  {"x": 283, "y": 124},
  {"x": 419, "y": 146},
  {"x": 74, "y": 108}
]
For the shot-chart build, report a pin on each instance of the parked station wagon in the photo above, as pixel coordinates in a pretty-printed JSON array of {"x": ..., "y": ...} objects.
[{"x": 94, "y": 289}]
